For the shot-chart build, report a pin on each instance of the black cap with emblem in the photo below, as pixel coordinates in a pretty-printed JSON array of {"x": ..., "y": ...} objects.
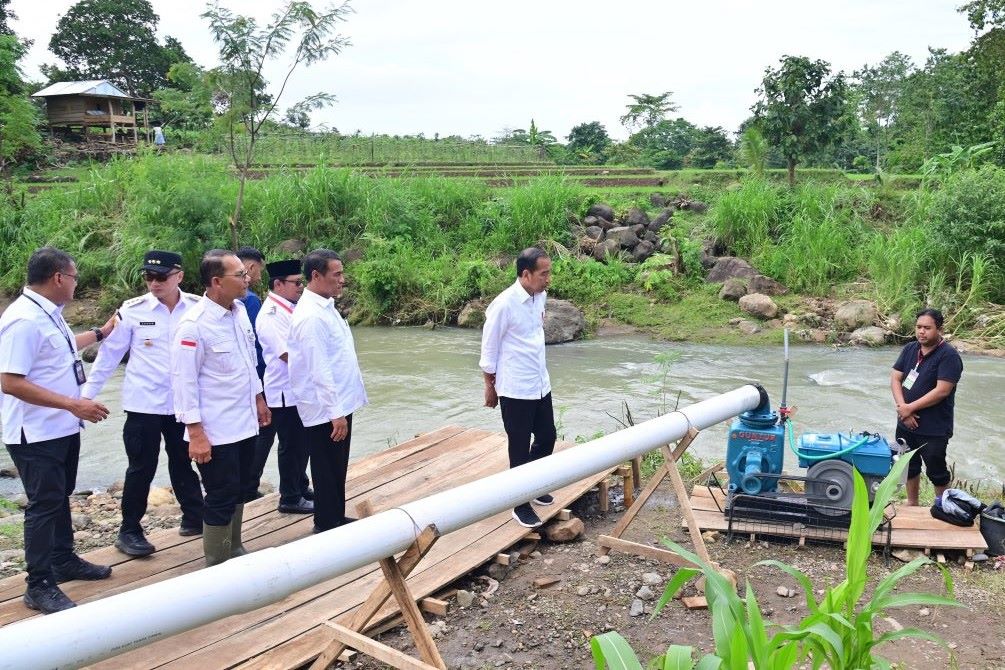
[
  {"x": 161, "y": 261},
  {"x": 284, "y": 268}
]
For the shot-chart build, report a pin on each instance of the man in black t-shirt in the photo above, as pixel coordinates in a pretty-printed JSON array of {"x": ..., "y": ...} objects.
[{"x": 923, "y": 383}]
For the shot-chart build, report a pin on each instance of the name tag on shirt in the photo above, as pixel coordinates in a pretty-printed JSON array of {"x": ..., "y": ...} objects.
[{"x": 909, "y": 380}]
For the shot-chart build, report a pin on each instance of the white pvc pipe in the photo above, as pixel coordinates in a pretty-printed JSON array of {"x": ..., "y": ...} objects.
[{"x": 113, "y": 625}]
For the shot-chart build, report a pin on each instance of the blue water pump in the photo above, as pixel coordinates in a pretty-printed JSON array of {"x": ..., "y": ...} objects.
[{"x": 755, "y": 455}]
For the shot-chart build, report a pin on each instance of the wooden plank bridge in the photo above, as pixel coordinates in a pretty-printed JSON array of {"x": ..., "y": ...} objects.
[{"x": 291, "y": 632}]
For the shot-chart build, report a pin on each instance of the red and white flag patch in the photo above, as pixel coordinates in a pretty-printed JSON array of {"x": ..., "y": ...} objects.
[{"x": 189, "y": 343}]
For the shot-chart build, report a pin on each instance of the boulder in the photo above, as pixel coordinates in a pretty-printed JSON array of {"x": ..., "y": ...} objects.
[
  {"x": 766, "y": 285},
  {"x": 160, "y": 496},
  {"x": 636, "y": 217},
  {"x": 657, "y": 200},
  {"x": 594, "y": 232},
  {"x": 650, "y": 236},
  {"x": 643, "y": 250},
  {"x": 661, "y": 220},
  {"x": 729, "y": 266},
  {"x": 733, "y": 289},
  {"x": 601, "y": 210},
  {"x": 564, "y": 531},
  {"x": 748, "y": 327},
  {"x": 590, "y": 221},
  {"x": 563, "y": 321},
  {"x": 696, "y": 206},
  {"x": 292, "y": 247},
  {"x": 638, "y": 229},
  {"x": 869, "y": 336},
  {"x": 708, "y": 254},
  {"x": 472, "y": 314},
  {"x": 759, "y": 305},
  {"x": 624, "y": 236},
  {"x": 606, "y": 224},
  {"x": 854, "y": 315},
  {"x": 606, "y": 248}
]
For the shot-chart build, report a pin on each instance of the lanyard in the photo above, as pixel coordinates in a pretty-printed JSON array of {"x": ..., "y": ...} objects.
[
  {"x": 922, "y": 358},
  {"x": 60, "y": 328}
]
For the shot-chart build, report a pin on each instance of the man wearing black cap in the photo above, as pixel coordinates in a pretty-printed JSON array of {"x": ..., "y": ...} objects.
[
  {"x": 146, "y": 329},
  {"x": 273, "y": 327}
]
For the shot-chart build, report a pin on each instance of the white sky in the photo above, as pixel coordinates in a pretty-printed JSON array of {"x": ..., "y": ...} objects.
[{"x": 470, "y": 67}]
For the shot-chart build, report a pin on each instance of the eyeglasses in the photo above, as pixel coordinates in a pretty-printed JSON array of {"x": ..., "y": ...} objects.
[
  {"x": 158, "y": 276},
  {"x": 241, "y": 274},
  {"x": 67, "y": 274},
  {"x": 298, "y": 282}
]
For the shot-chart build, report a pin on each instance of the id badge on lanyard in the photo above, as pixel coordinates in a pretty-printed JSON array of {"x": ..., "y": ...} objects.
[
  {"x": 911, "y": 377},
  {"x": 78, "y": 372}
]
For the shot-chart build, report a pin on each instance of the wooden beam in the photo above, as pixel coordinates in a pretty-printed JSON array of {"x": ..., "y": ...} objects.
[
  {"x": 381, "y": 652},
  {"x": 434, "y": 606},
  {"x": 564, "y": 515},
  {"x": 644, "y": 550},
  {"x": 605, "y": 496},
  {"x": 637, "y": 470},
  {"x": 685, "y": 502}
]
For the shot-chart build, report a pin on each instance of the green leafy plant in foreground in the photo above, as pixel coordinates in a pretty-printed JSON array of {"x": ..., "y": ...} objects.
[{"x": 837, "y": 633}]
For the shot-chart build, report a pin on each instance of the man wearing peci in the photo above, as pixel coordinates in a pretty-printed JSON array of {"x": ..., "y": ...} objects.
[
  {"x": 514, "y": 370},
  {"x": 42, "y": 413},
  {"x": 326, "y": 382},
  {"x": 145, "y": 331},
  {"x": 273, "y": 328},
  {"x": 218, "y": 396},
  {"x": 923, "y": 383}
]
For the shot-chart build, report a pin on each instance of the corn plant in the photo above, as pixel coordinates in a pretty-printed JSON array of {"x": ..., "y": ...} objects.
[{"x": 837, "y": 633}]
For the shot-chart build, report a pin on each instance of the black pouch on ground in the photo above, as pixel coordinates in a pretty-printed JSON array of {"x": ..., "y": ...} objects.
[{"x": 957, "y": 507}]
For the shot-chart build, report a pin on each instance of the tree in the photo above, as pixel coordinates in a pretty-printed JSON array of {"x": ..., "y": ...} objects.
[
  {"x": 754, "y": 150},
  {"x": 647, "y": 110},
  {"x": 19, "y": 118},
  {"x": 113, "y": 39},
  {"x": 297, "y": 117},
  {"x": 802, "y": 109},
  {"x": 588, "y": 142},
  {"x": 983, "y": 13},
  {"x": 188, "y": 101},
  {"x": 665, "y": 144},
  {"x": 245, "y": 48},
  {"x": 711, "y": 147},
  {"x": 879, "y": 89},
  {"x": 6, "y": 16}
]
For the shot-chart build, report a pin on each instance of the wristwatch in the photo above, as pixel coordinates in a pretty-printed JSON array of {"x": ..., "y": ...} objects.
[{"x": 97, "y": 334}]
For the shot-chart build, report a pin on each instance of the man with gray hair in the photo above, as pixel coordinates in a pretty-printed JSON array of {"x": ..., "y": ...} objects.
[{"x": 43, "y": 412}]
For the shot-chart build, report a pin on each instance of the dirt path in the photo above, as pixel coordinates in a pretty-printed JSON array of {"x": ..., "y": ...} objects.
[{"x": 520, "y": 626}]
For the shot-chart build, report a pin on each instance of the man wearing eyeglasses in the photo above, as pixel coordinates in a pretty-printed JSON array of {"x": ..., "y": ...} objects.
[
  {"x": 146, "y": 329},
  {"x": 273, "y": 328},
  {"x": 42, "y": 413},
  {"x": 218, "y": 396}
]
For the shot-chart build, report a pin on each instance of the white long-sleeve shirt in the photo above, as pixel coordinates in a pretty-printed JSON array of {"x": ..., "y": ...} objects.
[
  {"x": 273, "y": 328},
  {"x": 513, "y": 344},
  {"x": 146, "y": 329},
  {"x": 37, "y": 343},
  {"x": 213, "y": 372},
  {"x": 324, "y": 373}
]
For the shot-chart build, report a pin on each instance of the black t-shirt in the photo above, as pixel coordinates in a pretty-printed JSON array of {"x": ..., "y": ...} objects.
[{"x": 942, "y": 363}]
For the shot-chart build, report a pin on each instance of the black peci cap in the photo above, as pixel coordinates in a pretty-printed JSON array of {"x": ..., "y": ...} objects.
[
  {"x": 284, "y": 268},
  {"x": 161, "y": 261}
]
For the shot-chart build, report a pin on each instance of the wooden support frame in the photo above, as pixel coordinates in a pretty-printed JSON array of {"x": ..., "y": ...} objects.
[
  {"x": 668, "y": 470},
  {"x": 351, "y": 634}
]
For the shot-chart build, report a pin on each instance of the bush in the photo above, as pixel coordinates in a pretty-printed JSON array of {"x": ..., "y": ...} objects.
[
  {"x": 968, "y": 217},
  {"x": 745, "y": 219}
]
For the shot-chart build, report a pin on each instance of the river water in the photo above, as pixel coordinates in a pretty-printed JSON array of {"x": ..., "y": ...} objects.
[{"x": 419, "y": 380}]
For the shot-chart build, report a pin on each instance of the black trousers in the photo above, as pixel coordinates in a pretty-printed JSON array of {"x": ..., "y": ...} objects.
[
  {"x": 931, "y": 451},
  {"x": 142, "y": 436},
  {"x": 523, "y": 418},
  {"x": 329, "y": 464},
  {"x": 48, "y": 471},
  {"x": 291, "y": 457},
  {"x": 225, "y": 479}
]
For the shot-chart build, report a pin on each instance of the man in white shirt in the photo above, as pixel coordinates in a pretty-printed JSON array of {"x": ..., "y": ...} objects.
[
  {"x": 218, "y": 396},
  {"x": 42, "y": 414},
  {"x": 273, "y": 328},
  {"x": 326, "y": 382},
  {"x": 145, "y": 331},
  {"x": 514, "y": 370}
]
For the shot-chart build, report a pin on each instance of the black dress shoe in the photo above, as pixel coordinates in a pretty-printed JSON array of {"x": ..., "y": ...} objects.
[
  {"x": 78, "y": 568},
  {"x": 302, "y": 506},
  {"x": 133, "y": 544},
  {"x": 309, "y": 494},
  {"x": 346, "y": 520},
  {"x": 47, "y": 598},
  {"x": 185, "y": 531}
]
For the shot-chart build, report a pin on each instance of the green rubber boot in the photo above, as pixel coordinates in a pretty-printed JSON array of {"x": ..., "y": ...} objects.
[
  {"x": 216, "y": 544},
  {"x": 236, "y": 548}
]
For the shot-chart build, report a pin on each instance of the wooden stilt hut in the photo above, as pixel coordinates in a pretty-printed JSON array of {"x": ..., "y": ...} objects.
[{"x": 83, "y": 105}]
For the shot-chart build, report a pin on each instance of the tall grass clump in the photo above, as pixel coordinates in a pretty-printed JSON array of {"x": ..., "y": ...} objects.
[
  {"x": 839, "y": 630},
  {"x": 744, "y": 220},
  {"x": 536, "y": 211},
  {"x": 586, "y": 282},
  {"x": 812, "y": 254},
  {"x": 896, "y": 263}
]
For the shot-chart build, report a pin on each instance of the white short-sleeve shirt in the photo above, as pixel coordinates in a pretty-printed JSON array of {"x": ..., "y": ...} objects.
[{"x": 37, "y": 343}]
